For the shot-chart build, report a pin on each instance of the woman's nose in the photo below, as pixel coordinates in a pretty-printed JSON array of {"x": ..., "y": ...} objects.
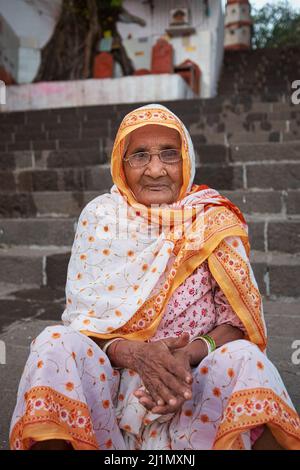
[{"x": 155, "y": 167}]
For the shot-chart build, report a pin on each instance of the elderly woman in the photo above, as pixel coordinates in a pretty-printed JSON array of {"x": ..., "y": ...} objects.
[{"x": 163, "y": 342}]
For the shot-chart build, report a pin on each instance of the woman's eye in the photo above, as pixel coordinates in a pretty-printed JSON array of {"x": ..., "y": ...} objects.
[
  {"x": 141, "y": 156},
  {"x": 169, "y": 154}
]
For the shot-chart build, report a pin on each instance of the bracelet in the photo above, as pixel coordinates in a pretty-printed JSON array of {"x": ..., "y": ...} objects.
[
  {"x": 105, "y": 347},
  {"x": 209, "y": 341}
]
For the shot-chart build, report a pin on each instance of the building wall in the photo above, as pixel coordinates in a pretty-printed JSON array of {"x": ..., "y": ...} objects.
[
  {"x": 25, "y": 27},
  {"x": 205, "y": 47},
  {"x": 238, "y": 12},
  {"x": 238, "y": 36},
  {"x": 237, "y": 26}
]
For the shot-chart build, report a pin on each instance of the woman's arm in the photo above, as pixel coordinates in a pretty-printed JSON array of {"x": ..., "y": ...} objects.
[{"x": 222, "y": 334}]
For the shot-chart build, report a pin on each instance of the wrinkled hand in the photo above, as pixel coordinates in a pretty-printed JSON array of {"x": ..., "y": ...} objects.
[{"x": 166, "y": 376}]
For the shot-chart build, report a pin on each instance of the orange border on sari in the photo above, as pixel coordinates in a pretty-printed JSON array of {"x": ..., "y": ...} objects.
[
  {"x": 47, "y": 424},
  {"x": 284, "y": 424}
]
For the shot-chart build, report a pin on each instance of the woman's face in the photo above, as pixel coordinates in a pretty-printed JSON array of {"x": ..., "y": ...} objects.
[{"x": 157, "y": 182}]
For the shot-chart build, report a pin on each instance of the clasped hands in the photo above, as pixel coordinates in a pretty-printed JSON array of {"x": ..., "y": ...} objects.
[{"x": 164, "y": 367}]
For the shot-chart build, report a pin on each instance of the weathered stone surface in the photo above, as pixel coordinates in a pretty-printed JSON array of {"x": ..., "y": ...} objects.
[
  {"x": 256, "y": 235},
  {"x": 267, "y": 151},
  {"x": 89, "y": 144},
  {"x": 7, "y": 161},
  {"x": 210, "y": 153},
  {"x": 220, "y": 177},
  {"x": 274, "y": 176},
  {"x": 257, "y": 202},
  {"x": 98, "y": 178},
  {"x": 17, "y": 205},
  {"x": 7, "y": 181},
  {"x": 41, "y": 232},
  {"x": 284, "y": 236},
  {"x": 56, "y": 270},
  {"x": 293, "y": 202},
  {"x": 44, "y": 180},
  {"x": 73, "y": 158},
  {"x": 284, "y": 280}
]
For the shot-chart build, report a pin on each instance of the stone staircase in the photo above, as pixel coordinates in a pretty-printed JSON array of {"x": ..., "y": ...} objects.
[
  {"x": 53, "y": 162},
  {"x": 247, "y": 140}
]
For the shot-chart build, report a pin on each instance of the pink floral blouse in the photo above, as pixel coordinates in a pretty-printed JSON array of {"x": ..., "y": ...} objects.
[{"x": 197, "y": 306}]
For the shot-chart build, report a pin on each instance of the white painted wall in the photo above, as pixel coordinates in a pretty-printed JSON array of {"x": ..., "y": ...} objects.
[
  {"x": 205, "y": 47},
  {"x": 91, "y": 92},
  {"x": 25, "y": 27}
]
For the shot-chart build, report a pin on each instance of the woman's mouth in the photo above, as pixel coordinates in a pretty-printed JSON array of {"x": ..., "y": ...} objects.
[{"x": 156, "y": 187}]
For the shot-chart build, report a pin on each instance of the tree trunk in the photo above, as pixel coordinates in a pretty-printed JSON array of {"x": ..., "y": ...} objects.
[{"x": 69, "y": 53}]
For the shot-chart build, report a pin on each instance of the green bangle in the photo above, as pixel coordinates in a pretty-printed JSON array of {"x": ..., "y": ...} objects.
[{"x": 211, "y": 341}]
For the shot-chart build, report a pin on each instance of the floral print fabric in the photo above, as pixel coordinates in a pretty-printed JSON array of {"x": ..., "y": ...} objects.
[{"x": 69, "y": 389}]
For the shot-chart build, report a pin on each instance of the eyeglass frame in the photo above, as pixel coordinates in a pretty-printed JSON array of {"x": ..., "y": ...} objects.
[{"x": 157, "y": 152}]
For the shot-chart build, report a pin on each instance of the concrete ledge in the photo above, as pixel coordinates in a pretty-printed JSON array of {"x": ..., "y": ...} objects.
[{"x": 148, "y": 88}]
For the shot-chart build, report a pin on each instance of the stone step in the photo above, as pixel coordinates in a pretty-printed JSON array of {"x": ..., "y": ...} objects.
[
  {"x": 277, "y": 274},
  {"x": 242, "y": 136},
  {"x": 216, "y": 134},
  {"x": 104, "y": 114},
  {"x": 214, "y": 130},
  {"x": 96, "y": 177},
  {"x": 70, "y": 203},
  {"x": 207, "y": 153},
  {"x": 86, "y": 129},
  {"x": 95, "y": 138},
  {"x": 264, "y": 152},
  {"x": 272, "y": 233},
  {"x": 34, "y": 136},
  {"x": 227, "y": 174},
  {"x": 45, "y": 204},
  {"x": 25, "y": 265}
]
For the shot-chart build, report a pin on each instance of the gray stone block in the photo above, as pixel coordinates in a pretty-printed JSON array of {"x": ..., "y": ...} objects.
[
  {"x": 220, "y": 176},
  {"x": 256, "y": 235},
  {"x": 210, "y": 153},
  {"x": 56, "y": 269},
  {"x": 267, "y": 151},
  {"x": 257, "y": 202},
  {"x": 17, "y": 205},
  {"x": 284, "y": 236},
  {"x": 90, "y": 144},
  {"x": 284, "y": 280},
  {"x": 273, "y": 176},
  {"x": 293, "y": 202},
  {"x": 20, "y": 269},
  {"x": 7, "y": 181},
  {"x": 40, "y": 232},
  {"x": 75, "y": 158},
  {"x": 97, "y": 178}
]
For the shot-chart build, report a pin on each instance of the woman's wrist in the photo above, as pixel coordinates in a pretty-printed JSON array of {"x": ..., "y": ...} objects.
[
  {"x": 121, "y": 353},
  {"x": 196, "y": 350}
]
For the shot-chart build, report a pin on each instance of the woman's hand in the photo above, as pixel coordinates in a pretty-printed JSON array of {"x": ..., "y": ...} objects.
[
  {"x": 165, "y": 377},
  {"x": 180, "y": 355},
  {"x": 169, "y": 395}
]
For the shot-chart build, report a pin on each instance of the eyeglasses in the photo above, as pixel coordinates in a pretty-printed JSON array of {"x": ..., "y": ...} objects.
[{"x": 167, "y": 156}]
